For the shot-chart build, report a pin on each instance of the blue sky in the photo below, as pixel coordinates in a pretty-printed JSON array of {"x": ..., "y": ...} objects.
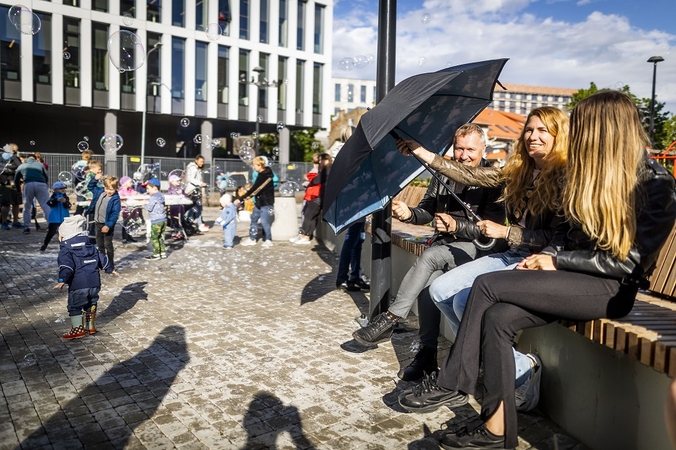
[{"x": 558, "y": 43}]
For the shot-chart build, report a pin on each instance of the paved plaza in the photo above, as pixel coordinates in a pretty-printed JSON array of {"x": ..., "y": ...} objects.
[{"x": 248, "y": 348}]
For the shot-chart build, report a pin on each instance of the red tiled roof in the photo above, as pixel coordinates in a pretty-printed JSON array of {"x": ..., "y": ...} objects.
[{"x": 501, "y": 125}]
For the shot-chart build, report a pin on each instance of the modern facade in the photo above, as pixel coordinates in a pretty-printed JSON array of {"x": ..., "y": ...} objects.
[
  {"x": 224, "y": 65},
  {"x": 521, "y": 99},
  {"x": 349, "y": 93}
]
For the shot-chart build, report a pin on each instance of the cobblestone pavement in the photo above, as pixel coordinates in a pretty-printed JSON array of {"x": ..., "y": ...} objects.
[{"x": 248, "y": 348}]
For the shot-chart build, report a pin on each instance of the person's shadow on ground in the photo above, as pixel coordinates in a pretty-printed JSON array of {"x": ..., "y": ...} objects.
[
  {"x": 123, "y": 302},
  {"x": 287, "y": 419},
  {"x": 106, "y": 412}
]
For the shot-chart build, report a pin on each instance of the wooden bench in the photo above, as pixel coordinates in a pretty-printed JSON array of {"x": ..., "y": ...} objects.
[{"x": 647, "y": 334}]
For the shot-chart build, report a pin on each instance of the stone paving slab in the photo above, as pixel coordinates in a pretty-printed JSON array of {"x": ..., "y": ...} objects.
[{"x": 208, "y": 349}]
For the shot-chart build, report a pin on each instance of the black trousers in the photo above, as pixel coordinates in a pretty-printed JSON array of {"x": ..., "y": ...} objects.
[
  {"x": 51, "y": 231},
  {"x": 502, "y": 303},
  {"x": 104, "y": 241},
  {"x": 311, "y": 218}
]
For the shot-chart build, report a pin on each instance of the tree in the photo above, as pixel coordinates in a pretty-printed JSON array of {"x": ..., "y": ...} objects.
[
  {"x": 663, "y": 135},
  {"x": 303, "y": 145}
]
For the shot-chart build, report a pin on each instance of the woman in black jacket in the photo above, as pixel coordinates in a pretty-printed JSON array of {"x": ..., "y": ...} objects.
[
  {"x": 263, "y": 191},
  {"x": 620, "y": 208}
]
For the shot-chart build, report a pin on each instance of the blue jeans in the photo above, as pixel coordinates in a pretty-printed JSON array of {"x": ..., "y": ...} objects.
[
  {"x": 262, "y": 213},
  {"x": 82, "y": 299},
  {"x": 350, "y": 254},
  {"x": 451, "y": 290}
]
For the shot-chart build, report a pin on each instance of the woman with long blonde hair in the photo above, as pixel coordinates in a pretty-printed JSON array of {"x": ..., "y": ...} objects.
[{"x": 620, "y": 207}]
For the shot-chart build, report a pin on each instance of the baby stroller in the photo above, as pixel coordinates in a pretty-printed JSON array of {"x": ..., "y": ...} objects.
[{"x": 189, "y": 222}]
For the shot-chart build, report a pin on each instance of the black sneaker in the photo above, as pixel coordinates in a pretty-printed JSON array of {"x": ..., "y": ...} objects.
[
  {"x": 425, "y": 362},
  {"x": 478, "y": 438},
  {"x": 361, "y": 284},
  {"x": 43, "y": 248},
  {"x": 26, "y": 230},
  {"x": 427, "y": 396},
  {"x": 348, "y": 286},
  {"x": 153, "y": 257},
  {"x": 380, "y": 329}
]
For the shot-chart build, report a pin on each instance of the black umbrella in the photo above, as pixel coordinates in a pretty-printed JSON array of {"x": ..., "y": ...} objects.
[{"x": 369, "y": 170}]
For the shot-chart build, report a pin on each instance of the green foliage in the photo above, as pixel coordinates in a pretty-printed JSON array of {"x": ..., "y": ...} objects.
[
  {"x": 303, "y": 145},
  {"x": 664, "y": 126},
  {"x": 420, "y": 182}
]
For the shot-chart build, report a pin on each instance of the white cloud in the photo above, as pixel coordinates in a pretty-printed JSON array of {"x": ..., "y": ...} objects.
[{"x": 603, "y": 48}]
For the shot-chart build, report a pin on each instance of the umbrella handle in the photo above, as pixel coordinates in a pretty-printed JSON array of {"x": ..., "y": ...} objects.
[{"x": 481, "y": 246}]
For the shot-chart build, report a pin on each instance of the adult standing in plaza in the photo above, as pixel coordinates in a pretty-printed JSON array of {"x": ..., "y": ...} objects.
[
  {"x": 451, "y": 246},
  {"x": 10, "y": 197},
  {"x": 263, "y": 191},
  {"x": 194, "y": 183},
  {"x": 35, "y": 181}
]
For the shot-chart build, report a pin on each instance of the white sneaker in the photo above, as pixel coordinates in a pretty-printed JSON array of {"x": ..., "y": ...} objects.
[
  {"x": 267, "y": 243},
  {"x": 528, "y": 394},
  {"x": 204, "y": 228},
  {"x": 300, "y": 241},
  {"x": 293, "y": 239},
  {"x": 248, "y": 242}
]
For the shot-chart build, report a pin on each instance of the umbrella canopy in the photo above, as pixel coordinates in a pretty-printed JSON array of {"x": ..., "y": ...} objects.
[{"x": 369, "y": 170}]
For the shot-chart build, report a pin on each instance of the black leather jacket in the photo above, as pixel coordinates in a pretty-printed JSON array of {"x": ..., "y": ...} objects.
[
  {"x": 573, "y": 250},
  {"x": 483, "y": 201}
]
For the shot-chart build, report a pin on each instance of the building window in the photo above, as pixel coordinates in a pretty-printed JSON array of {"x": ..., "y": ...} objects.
[
  {"x": 264, "y": 21},
  {"x": 375, "y": 94},
  {"x": 243, "y": 78},
  {"x": 42, "y": 51},
  {"x": 223, "y": 74},
  {"x": 178, "y": 13},
  {"x": 177, "y": 67},
  {"x": 153, "y": 62},
  {"x": 244, "y": 19},
  {"x": 201, "y": 71},
  {"x": 336, "y": 93},
  {"x": 362, "y": 94},
  {"x": 127, "y": 78},
  {"x": 201, "y": 15},
  {"x": 154, "y": 10},
  {"x": 300, "y": 84},
  {"x": 10, "y": 53},
  {"x": 99, "y": 5},
  {"x": 283, "y": 23},
  {"x": 317, "y": 88},
  {"x": 71, "y": 66},
  {"x": 282, "y": 74},
  {"x": 300, "y": 35},
  {"x": 350, "y": 93},
  {"x": 224, "y": 16},
  {"x": 263, "y": 59},
  {"x": 128, "y": 8},
  {"x": 100, "y": 56},
  {"x": 319, "y": 27}
]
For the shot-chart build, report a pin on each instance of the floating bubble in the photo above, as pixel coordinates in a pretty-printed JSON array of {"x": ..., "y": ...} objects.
[
  {"x": 346, "y": 64},
  {"x": 425, "y": 18},
  {"x": 246, "y": 154},
  {"x": 234, "y": 135},
  {"x": 24, "y": 20},
  {"x": 79, "y": 170},
  {"x": 248, "y": 143},
  {"x": 289, "y": 189},
  {"x": 32, "y": 142},
  {"x": 272, "y": 212},
  {"x": 259, "y": 119},
  {"x": 86, "y": 138},
  {"x": 60, "y": 320},
  {"x": 254, "y": 135},
  {"x": 280, "y": 126},
  {"x": 132, "y": 220},
  {"x": 160, "y": 142},
  {"x": 176, "y": 178},
  {"x": 231, "y": 183},
  {"x": 82, "y": 146},
  {"x": 360, "y": 61},
  {"x": 215, "y": 143},
  {"x": 213, "y": 31},
  {"x": 275, "y": 151},
  {"x": 66, "y": 55},
  {"x": 126, "y": 51},
  {"x": 421, "y": 60},
  {"x": 370, "y": 58},
  {"x": 29, "y": 359},
  {"x": 619, "y": 85},
  {"x": 65, "y": 177},
  {"x": 185, "y": 122},
  {"x": 138, "y": 176},
  {"x": 111, "y": 143},
  {"x": 164, "y": 174},
  {"x": 315, "y": 145},
  {"x": 128, "y": 19},
  {"x": 82, "y": 191}
]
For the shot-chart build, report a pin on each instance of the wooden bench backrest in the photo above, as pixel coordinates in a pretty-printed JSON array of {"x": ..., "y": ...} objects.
[
  {"x": 663, "y": 279},
  {"x": 411, "y": 195}
]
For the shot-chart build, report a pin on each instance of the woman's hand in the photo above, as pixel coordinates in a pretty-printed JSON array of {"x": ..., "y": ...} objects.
[
  {"x": 492, "y": 230},
  {"x": 537, "y": 262}
]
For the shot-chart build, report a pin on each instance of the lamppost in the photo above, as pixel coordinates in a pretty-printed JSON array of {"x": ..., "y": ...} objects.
[
  {"x": 145, "y": 107},
  {"x": 651, "y": 131},
  {"x": 260, "y": 84}
]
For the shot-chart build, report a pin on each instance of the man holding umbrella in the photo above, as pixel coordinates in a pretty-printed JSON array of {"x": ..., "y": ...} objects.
[{"x": 451, "y": 246}]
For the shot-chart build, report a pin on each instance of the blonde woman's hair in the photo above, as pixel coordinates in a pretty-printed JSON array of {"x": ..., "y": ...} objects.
[
  {"x": 346, "y": 132},
  {"x": 607, "y": 146},
  {"x": 258, "y": 160},
  {"x": 545, "y": 191}
]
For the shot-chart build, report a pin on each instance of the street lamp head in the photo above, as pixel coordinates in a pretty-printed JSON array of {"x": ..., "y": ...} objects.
[
  {"x": 157, "y": 45},
  {"x": 655, "y": 59},
  {"x": 258, "y": 69}
]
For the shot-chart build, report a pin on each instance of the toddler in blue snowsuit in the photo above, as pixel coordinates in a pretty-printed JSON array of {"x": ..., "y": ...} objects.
[{"x": 228, "y": 220}]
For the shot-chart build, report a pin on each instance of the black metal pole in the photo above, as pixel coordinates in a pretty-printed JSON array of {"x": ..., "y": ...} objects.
[
  {"x": 381, "y": 227},
  {"x": 652, "y": 109}
]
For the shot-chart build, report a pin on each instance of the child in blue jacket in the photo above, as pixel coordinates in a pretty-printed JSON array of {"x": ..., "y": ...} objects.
[
  {"x": 105, "y": 208},
  {"x": 79, "y": 264},
  {"x": 59, "y": 204},
  {"x": 228, "y": 220}
]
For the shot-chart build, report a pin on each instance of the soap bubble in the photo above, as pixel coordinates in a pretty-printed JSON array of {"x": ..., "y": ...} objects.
[
  {"x": 132, "y": 220},
  {"x": 197, "y": 139},
  {"x": 160, "y": 142},
  {"x": 231, "y": 183},
  {"x": 177, "y": 175},
  {"x": 128, "y": 19},
  {"x": 65, "y": 177},
  {"x": 126, "y": 51},
  {"x": 111, "y": 143},
  {"x": 315, "y": 145},
  {"x": 25, "y": 20},
  {"x": 259, "y": 119},
  {"x": 246, "y": 154},
  {"x": 272, "y": 212},
  {"x": 82, "y": 146},
  {"x": 254, "y": 135},
  {"x": 346, "y": 64},
  {"x": 185, "y": 122},
  {"x": 425, "y": 18},
  {"x": 288, "y": 189},
  {"x": 29, "y": 360},
  {"x": 234, "y": 135},
  {"x": 79, "y": 170},
  {"x": 619, "y": 85},
  {"x": 360, "y": 61},
  {"x": 280, "y": 126},
  {"x": 248, "y": 143},
  {"x": 82, "y": 191},
  {"x": 66, "y": 55},
  {"x": 275, "y": 151},
  {"x": 370, "y": 58},
  {"x": 421, "y": 61},
  {"x": 32, "y": 142},
  {"x": 213, "y": 31},
  {"x": 86, "y": 138},
  {"x": 215, "y": 143}
]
